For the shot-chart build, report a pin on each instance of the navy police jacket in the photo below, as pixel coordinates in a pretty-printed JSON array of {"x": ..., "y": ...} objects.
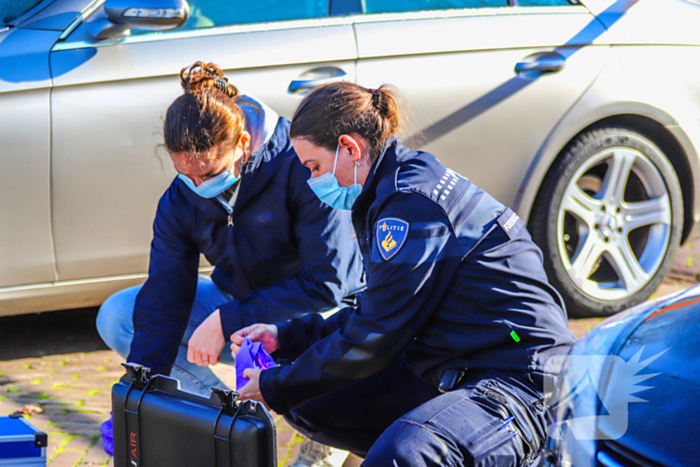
[
  {"x": 280, "y": 254},
  {"x": 453, "y": 280}
]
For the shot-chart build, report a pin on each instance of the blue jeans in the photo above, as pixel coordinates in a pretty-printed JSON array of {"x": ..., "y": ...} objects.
[{"x": 116, "y": 327}]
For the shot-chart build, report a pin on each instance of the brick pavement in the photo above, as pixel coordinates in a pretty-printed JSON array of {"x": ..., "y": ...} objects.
[{"x": 74, "y": 388}]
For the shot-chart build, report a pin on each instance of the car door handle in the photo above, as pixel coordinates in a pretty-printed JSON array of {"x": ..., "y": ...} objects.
[
  {"x": 314, "y": 78},
  {"x": 547, "y": 64}
]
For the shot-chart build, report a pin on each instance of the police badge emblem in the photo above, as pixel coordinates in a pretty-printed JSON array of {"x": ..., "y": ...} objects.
[{"x": 391, "y": 235}]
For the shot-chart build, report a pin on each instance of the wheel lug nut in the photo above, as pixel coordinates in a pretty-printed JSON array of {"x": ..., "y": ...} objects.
[
  {"x": 606, "y": 239},
  {"x": 618, "y": 210},
  {"x": 596, "y": 226},
  {"x": 619, "y": 230},
  {"x": 602, "y": 208}
]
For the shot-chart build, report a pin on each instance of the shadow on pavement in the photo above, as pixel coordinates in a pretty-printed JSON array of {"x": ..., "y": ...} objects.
[{"x": 52, "y": 333}]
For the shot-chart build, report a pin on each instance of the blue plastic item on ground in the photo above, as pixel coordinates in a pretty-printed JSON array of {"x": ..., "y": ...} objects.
[{"x": 21, "y": 443}]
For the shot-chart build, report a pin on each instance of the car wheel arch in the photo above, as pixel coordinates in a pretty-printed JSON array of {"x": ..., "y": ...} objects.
[{"x": 650, "y": 122}]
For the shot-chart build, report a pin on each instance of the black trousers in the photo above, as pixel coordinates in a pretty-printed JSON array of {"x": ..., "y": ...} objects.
[{"x": 392, "y": 418}]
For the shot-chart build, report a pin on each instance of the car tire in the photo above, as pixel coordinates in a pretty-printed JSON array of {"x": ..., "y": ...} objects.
[{"x": 608, "y": 218}]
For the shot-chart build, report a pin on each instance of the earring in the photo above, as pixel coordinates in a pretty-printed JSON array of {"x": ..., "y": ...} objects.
[{"x": 358, "y": 163}]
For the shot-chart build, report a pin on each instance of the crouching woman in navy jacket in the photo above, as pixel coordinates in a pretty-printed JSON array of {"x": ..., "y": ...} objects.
[
  {"x": 240, "y": 199},
  {"x": 442, "y": 362}
]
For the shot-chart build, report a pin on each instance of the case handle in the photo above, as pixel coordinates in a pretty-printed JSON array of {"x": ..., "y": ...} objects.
[{"x": 138, "y": 374}]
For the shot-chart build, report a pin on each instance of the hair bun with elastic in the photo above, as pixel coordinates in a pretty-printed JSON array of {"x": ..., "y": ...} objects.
[{"x": 199, "y": 77}]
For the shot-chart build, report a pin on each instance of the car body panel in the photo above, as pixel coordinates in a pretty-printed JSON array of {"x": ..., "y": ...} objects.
[
  {"x": 27, "y": 246},
  {"x": 62, "y": 295},
  {"x": 663, "y": 435},
  {"x": 662, "y": 96},
  {"x": 661, "y": 22},
  {"x": 106, "y": 178},
  {"x": 665, "y": 334},
  {"x": 472, "y": 111}
]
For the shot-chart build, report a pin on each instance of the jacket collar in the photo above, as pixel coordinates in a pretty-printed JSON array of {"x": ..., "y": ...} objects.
[{"x": 392, "y": 153}]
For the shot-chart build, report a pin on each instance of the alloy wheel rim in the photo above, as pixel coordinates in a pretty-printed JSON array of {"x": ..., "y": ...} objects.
[{"x": 614, "y": 224}]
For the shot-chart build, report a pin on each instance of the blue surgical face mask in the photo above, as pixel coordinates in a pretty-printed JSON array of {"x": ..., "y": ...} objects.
[
  {"x": 212, "y": 187},
  {"x": 328, "y": 190}
]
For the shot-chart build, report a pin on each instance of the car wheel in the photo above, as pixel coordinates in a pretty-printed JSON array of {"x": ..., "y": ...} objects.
[{"x": 608, "y": 218}]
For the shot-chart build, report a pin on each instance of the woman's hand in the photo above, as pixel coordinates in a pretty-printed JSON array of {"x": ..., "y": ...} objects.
[
  {"x": 265, "y": 333},
  {"x": 252, "y": 389},
  {"x": 207, "y": 342}
]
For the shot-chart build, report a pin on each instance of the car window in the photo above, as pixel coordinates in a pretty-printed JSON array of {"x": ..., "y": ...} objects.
[
  {"x": 210, "y": 13},
  {"x": 544, "y": 2},
  {"x": 10, "y": 10},
  {"x": 394, "y": 6}
]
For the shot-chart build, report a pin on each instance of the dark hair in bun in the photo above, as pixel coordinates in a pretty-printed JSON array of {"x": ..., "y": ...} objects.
[{"x": 206, "y": 115}]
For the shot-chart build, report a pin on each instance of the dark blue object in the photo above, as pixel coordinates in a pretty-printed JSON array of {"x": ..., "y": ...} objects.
[
  {"x": 421, "y": 426},
  {"x": 282, "y": 253},
  {"x": 108, "y": 436},
  {"x": 21, "y": 441},
  {"x": 663, "y": 429}
]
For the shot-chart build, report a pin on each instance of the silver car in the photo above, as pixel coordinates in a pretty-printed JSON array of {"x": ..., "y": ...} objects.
[{"x": 585, "y": 118}]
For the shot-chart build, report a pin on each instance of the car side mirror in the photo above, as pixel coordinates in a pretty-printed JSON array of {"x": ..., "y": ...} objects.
[{"x": 125, "y": 15}]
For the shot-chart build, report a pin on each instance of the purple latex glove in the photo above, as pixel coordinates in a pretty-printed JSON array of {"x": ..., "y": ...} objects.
[
  {"x": 251, "y": 355},
  {"x": 107, "y": 436}
]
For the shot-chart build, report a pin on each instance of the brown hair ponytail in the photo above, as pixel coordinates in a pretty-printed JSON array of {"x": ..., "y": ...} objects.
[
  {"x": 347, "y": 108},
  {"x": 206, "y": 115}
]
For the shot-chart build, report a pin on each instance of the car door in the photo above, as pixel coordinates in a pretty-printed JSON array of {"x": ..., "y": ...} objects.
[
  {"x": 25, "y": 86},
  {"x": 110, "y": 97},
  {"x": 457, "y": 70}
]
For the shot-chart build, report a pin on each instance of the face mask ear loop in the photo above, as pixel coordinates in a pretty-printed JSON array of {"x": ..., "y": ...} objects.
[{"x": 335, "y": 164}]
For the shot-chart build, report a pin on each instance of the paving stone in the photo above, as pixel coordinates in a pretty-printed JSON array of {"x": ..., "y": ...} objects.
[
  {"x": 282, "y": 453},
  {"x": 285, "y": 436},
  {"x": 53, "y": 446},
  {"x": 66, "y": 459},
  {"x": 81, "y": 443},
  {"x": 83, "y": 431},
  {"x": 291, "y": 455},
  {"x": 82, "y": 417},
  {"x": 79, "y": 425},
  {"x": 95, "y": 455},
  {"x": 40, "y": 421},
  {"x": 353, "y": 461}
]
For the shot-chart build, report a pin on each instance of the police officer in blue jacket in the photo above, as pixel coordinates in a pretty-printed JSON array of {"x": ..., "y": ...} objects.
[
  {"x": 443, "y": 360},
  {"x": 240, "y": 199}
]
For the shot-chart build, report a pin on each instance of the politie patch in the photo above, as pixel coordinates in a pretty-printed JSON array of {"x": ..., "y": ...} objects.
[{"x": 391, "y": 235}]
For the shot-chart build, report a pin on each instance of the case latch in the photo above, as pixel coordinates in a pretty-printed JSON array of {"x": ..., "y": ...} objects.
[
  {"x": 138, "y": 374},
  {"x": 228, "y": 399}
]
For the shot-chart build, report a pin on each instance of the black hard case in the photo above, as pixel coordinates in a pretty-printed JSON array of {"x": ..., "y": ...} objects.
[{"x": 156, "y": 424}]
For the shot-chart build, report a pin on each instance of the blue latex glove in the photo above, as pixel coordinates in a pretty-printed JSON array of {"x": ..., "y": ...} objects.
[
  {"x": 108, "y": 436},
  {"x": 251, "y": 355}
]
